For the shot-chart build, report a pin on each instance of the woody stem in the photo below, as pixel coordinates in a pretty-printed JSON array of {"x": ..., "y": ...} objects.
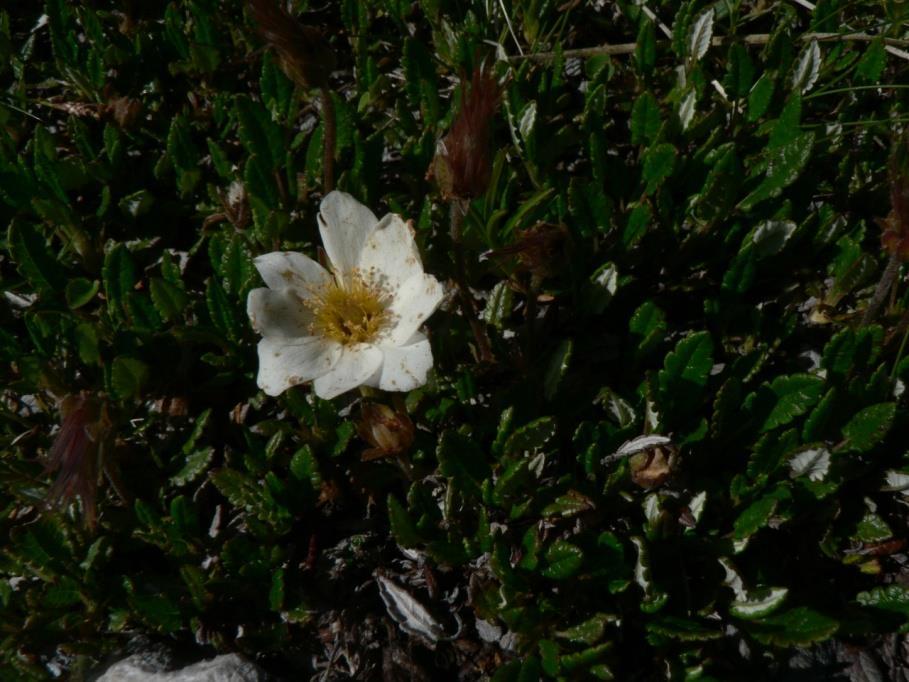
[
  {"x": 882, "y": 289},
  {"x": 329, "y": 127},
  {"x": 457, "y": 212}
]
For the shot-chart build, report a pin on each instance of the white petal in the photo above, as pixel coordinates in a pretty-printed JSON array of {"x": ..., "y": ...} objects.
[
  {"x": 390, "y": 257},
  {"x": 416, "y": 300},
  {"x": 345, "y": 225},
  {"x": 286, "y": 363},
  {"x": 283, "y": 269},
  {"x": 278, "y": 314},
  {"x": 354, "y": 367},
  {"x": 405, "y": 368}
]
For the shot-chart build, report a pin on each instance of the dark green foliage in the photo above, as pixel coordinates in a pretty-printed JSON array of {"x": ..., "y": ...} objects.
[{"x": 712, "y": 205}]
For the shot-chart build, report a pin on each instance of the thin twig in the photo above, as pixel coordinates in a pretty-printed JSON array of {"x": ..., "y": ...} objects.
[
  {"x": 752, "y": 39},
  {"x": 457, "y": 212},
  {"x": 329, "y": 124},
  {"x": 882, "y": 289}
]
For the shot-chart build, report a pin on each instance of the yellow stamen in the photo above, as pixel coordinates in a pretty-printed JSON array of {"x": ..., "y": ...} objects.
[{"x": 349, "y": 311}]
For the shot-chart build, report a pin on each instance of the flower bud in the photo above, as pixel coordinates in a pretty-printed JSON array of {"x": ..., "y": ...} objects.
[
  {"x": 76, "y": 452},
  {"x": 389, "y": 432},
  {"x": 895, "y": 237},
  {"x": 651, "y": 468},
  {"x": 303, "y": 53},
  {"x": 463, "y": 160}
]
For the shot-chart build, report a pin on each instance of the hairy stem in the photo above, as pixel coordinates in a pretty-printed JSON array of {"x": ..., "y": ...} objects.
[
  {"x": 329, "y": 128},
  {"x": 752, "y": 39},
  {"x": 457, "y": 212},
  {"x": 882, "y": 289}
]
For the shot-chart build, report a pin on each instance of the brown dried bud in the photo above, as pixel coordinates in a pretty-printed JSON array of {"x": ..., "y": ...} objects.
[
  {"x": 895, "y": 237},
  {"x": 389, "y": 432},
  {"x": 76, "y": 452},
  {"x": 653, "y": 466},
  {"x": 302, "y": 51},
  {"x": 463, "y": 160},
  {"x": 539, "y": 250},
  {"x": 124, "y": 111}
]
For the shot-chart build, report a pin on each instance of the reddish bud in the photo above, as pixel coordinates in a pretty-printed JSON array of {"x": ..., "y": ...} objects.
[
  {"x": 303, "y": 53},
  {"x": 388, "y": 431},
  {"x": 76, "y": 452},
  {"x": 463, "y": 160}
]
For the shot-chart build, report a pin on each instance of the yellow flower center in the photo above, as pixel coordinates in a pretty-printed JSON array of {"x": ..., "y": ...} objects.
[{"x": 349, "y": 311}]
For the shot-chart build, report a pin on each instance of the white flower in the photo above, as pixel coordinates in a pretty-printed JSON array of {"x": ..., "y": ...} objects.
[{"x": 356, "y": 325}]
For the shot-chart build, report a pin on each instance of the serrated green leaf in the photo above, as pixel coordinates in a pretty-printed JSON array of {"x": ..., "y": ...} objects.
[
  {"x": 795, "y": 394},
  {"x": 798, "y": 626},
  {"x": 128, "y": 377},
  {"x": 170, "y": 300},
  {"x": 402, "y": 526},
  {"x": 260, "y": 136},
  {"x": 29, "y": 251},
  {"x": 80, "y": 292},
  {"x": 659, "y": 162},
  {"x": 221, "y": 310},
  {"x": 557, "y": 368},
  {"x": 530, "y": 437},
  {"x": 869, "y": 427},
  {"x": 645, "y": 119},
  {"x": 784, "y": 166},
  {"x": 563, "y": 560},
  {"x": 759, "y": 603},
  {"x": 196, "y": 463},
  {"x": 119, "y": 276}
]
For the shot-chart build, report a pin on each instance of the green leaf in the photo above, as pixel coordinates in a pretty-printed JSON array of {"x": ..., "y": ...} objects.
[
  {"x": 169, "y": 299},
  {"x": 759, "y": 97},
  {"x": 645, "y": 50},
  {"x": 195, "y": 465},
  {"x": 755, "y": 517},
  {"x": 557, "y": 368},
  {"x": 659, "y": 162},
  {"x": 795, "y": 394},
  {"x": 570, "y": 504},
  {"x": 869, "y": 427},
  {"x": 685, "y": 370},
  {"x": 759, "y": 603},
  {"x": 589, "y": 632},
  {"x": 461, "y": 459},
  {"x": 260, "y": 136},
  {"x": 647, "y": 326},
  {"x": 221, "y": 310},
  {"x": 799, "y": 626},
  {"x": 530, "y": 437},
  {"x": 871, "y": 65},
  {"x": 498, "y": 307},
  {"x": 639, "y": 220},
  {"x": 128, "y": 377},
  {"x": 563, "y": 560},
  {"x": 402, "y": 526},
  {"x": 80, "y": 292},
  {"x": 893, "y": 598},
  {"x": 645, "y": 119},
  {"x": 119, "y": 276},
  {"x": 784, "y": 166},
  {"x": 685, "y": 629},
  {"x": 29, "y": 251}
]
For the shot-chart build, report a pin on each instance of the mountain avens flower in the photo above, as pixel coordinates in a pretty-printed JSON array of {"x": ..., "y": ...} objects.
[{"x": 357, "y": 324}]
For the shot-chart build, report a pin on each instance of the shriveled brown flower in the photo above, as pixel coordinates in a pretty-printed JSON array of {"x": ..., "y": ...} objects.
[
  {"x": 389, "y": 432},
  {"x": 463, "y": 160},
  {"x": 303, "y": 52},
  {"x": 895, "y": 236},
  {"x": 539, "y": 250},
  {"x": 652, "y": 467},
  {"x": 77, "y": 450}
]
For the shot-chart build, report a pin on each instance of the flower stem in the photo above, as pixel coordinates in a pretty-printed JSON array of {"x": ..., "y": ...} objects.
[
  {"x": 457, "y": 212},
  {"x": 329, "y": 127},
  {"x": 882, "y": 289}
]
